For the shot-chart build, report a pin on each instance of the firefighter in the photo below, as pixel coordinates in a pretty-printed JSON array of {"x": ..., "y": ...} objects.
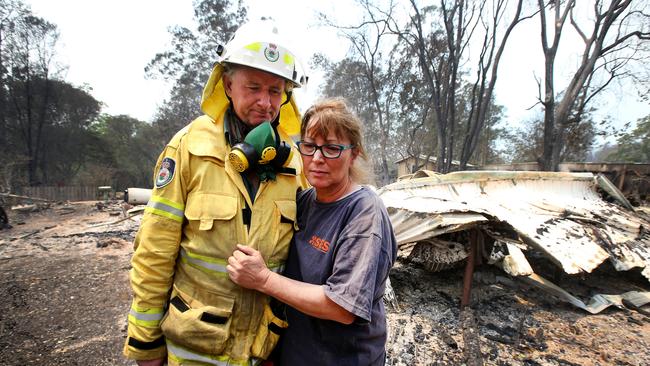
[{"x": 230, "y": 176}]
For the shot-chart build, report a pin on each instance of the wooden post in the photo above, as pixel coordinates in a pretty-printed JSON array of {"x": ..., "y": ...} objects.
[
  {"x": 469, "y": 267},
  {"x": 621, "y": 180},
  {"x": 472, "y": 349}
]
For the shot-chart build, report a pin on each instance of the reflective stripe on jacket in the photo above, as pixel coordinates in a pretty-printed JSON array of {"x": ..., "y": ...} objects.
[{"x": 178, "y": 355}]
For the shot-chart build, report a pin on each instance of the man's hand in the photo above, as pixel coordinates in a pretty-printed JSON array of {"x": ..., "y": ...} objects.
[
  {"x": 247, "y": 268},
  {"x": 156, "y": 362}
]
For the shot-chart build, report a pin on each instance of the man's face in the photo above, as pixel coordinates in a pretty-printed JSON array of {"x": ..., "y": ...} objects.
[{"x": 256, "y": 95}]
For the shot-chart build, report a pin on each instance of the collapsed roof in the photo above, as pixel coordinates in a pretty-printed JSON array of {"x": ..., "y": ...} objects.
[{"x": 559, "y": 215}]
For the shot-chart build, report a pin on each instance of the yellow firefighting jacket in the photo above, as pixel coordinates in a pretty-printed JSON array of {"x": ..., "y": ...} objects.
[{"x": 184, "y": 304}]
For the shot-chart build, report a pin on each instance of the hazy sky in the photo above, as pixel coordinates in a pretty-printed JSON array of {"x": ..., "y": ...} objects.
[{"x": 107, "y": 44}]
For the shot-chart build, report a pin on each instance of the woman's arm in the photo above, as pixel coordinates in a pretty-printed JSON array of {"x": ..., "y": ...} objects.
[{"x": 246, "y": 268}]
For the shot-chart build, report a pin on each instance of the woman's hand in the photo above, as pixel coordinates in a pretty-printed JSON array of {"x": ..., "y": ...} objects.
[{"x": 247, "y": 268}]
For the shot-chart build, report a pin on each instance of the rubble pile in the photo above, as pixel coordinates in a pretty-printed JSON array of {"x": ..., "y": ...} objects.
[{"x": 514, "y": 323}]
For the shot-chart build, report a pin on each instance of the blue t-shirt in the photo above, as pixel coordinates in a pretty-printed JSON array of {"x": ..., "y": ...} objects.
[{"x": 348, "y": 246}]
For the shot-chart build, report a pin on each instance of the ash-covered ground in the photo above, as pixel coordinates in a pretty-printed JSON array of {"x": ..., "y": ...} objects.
[{"x": 65, "y": 296}]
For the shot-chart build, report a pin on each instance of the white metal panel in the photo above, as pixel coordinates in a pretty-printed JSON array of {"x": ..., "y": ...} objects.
[{"x": 559, "y": 214}]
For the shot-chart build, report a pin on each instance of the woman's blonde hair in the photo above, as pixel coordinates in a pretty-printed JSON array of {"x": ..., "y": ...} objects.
[{"x": 333, "y": 114}]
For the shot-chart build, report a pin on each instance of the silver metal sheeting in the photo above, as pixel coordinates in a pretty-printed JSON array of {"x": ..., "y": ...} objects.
[{"x": 559, "y": 214}]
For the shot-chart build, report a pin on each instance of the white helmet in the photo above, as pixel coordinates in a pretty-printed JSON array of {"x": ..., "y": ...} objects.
[{"x": 259, "y": 45}]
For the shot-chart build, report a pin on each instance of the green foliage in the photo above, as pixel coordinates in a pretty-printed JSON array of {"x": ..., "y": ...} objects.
[
  {"x": 526, "y": 144},
  {"x": 189, "y": 61},
  {"x": 634, "y": 146},
  {"x": 181, "y": 108},
  {"x": 417, "y": 119},
  {"x": 129, "y": 151},
  {"x": 371, "y": 94},
  {"x": 346, "y": 79},
  {"x": 51, "y": 130},
  {"x": 194, "y": 52},
  {"x": 44, "y": 119},
  {"x": 68, "y": 141},
  {"x": 49, "y": 127}
]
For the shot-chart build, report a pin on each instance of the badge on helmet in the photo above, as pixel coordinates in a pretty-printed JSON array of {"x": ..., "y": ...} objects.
[{"x": 260, "y": 45}]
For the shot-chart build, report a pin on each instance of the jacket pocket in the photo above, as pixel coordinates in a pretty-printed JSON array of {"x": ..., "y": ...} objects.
[
  {"x": 204, "y": 328},
  {"x": 203, "y": 209},
  {"x": 268, "y": 334}
]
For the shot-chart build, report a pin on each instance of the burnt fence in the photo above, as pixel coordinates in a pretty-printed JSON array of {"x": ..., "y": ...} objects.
[{"x": 66, "y": 193}]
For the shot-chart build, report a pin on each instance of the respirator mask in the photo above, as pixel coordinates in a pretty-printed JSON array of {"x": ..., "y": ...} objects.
[{"x": 262, "y": 150}]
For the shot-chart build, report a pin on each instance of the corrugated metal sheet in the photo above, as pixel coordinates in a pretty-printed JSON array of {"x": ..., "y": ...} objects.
[{"x": 558, "y": 214}]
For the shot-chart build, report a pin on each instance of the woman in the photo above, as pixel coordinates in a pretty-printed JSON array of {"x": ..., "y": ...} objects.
[{"x": 341, "y": 255}]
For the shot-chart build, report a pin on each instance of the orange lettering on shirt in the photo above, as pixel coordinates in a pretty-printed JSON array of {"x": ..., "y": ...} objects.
[{"x": 319, "y": 244}]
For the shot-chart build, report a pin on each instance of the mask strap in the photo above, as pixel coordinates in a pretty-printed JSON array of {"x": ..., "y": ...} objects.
[
  {"x": 279, "y": 143},
  {"x": 288, "y": 98}
]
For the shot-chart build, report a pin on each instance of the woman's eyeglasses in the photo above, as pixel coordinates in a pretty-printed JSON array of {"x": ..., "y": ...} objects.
[{"x": 329, "y": 151}]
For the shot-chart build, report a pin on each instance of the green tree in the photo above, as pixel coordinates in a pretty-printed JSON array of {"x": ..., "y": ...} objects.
[
  {"x": 129, "y": 153},
  {"x": 348, "y": 78},
  {"x": 492, "y": 132},
  {"x": 39, "y": 110},
  {"x": 27, "y": 54},
  {"x": 439, "y": 37},
  {"x": 527, "y": 144},
  {"x": 68, "y": 143},
  {"x": 189, "y": 61},
  {"x": 634, "y": 146}
]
